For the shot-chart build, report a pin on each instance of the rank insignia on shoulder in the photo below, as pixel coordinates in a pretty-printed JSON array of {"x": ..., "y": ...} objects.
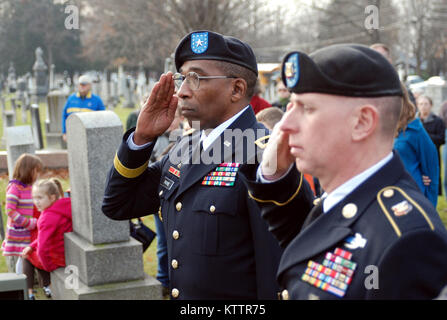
[
  {"x": 355, "y": 242},
  {"x": 402, "y": 208},
  {"x": 174, "y": 171},
  {"x": 334, "y": 275},
  {"x": 223, "y": 176}
]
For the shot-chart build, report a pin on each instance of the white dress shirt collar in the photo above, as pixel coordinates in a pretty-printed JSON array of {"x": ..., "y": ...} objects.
[
  {"x": 330, "y": 200},
  {"x": 216, "y": 132}
]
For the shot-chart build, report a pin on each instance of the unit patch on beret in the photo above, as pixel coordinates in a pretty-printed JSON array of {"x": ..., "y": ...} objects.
[
  {"x": 292, "y": 70},
  {"x": 199, "y": 42}
]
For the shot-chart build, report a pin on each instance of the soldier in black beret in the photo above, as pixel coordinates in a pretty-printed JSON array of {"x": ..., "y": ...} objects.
[
  {"x": 218, "y": 245},
  {"x": 372, "y": 235}
]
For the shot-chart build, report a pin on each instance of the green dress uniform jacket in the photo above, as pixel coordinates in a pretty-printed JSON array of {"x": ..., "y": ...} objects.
[{"x": 219, "y": 247}]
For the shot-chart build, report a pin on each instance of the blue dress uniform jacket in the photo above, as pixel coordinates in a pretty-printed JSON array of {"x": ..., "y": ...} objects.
[
  {"x": 219, "y": 247},
  {"x": 382, "y": 241}
]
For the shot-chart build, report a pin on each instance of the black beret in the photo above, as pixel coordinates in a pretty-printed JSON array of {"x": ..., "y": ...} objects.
[
  {"x": 343, "y": 69},
  {"x": 208, "y": 45}
]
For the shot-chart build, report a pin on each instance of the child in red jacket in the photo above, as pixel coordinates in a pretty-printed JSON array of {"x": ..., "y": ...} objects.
[{"x": 47, "y": 251}]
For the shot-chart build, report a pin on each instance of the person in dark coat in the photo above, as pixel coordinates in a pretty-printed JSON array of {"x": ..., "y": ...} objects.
[
  {"x": 373, "y": 234},
  {"x": 434, "y": 126},
  {"x": 218, "y": 245}
]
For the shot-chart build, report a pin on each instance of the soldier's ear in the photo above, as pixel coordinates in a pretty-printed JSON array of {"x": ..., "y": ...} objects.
[
  {"x": 366, "y": 121},
  {"x": 239, "y": 89}
]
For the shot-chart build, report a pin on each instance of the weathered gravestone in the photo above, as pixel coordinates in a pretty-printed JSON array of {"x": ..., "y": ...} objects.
[
  {"x": 41, "y": 76},
  {"x": 8, "y": 121},
  {"x": 114, "y": 97},
  {"x": 121, "y": 81},
  {"x": 129, "y": 93},
  {"x": 12, "y": 84},
  {"x": 51, "y": 77},
  {"x": 14, "y": 107},
  {"x": 19, "y": 140},
  {"x": 104, "y": 87},
  {"x": 36, "y": 127},
  {"x": 106, "y": 262},
  {"x": 53, "y": 123}
]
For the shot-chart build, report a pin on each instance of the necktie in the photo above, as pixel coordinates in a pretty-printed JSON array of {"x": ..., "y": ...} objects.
[{"x": 313, "y": 214}]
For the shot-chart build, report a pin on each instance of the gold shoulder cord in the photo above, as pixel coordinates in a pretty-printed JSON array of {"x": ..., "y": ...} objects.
[
  {"x": 259, "y": 142},
  {"x": 407, "y": 197},
  {"x": 276, "y": 202}
]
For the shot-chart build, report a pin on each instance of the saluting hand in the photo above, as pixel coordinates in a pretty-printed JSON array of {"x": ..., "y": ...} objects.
[
  {"x": 277, "y": 158},
  {"x": 158, "y": 111}
]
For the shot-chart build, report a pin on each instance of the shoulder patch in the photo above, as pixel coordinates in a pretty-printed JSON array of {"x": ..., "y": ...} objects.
[
  {"x": 396, "y": 204},
  {"x": 261, "y": 142}
]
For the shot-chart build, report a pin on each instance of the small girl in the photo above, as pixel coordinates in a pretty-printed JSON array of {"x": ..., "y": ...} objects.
[
  {"x": 47, "y": 253},
  {"x": 19, "y": 208}
]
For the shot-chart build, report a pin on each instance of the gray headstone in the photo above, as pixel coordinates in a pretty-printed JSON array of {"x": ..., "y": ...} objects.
[
  {"x": 19, "y": 140},
  {"x": 107, "y": 261},
  {"x": 93, "y": 138},
  {"x": 121, "y": 81},
  {"x": 25, "y": 108},
  {"x": 36, "y": 126},
  {"x": 14, "y": 285},
  {"x": 12, "y": 84},
  {"x": 8, "y": 121},
  {"x": 14, "y": 107},
  {"x": 104, "y": 87},
  {"x": 52, "y": 84},
  {"x": 55, "y": 107},
  {"x": 40, "y": 73},
  {"x": 129, "y": 94}
]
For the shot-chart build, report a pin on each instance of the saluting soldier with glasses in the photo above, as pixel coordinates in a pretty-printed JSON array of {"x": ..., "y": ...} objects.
[{"x": 218, "y": 245}]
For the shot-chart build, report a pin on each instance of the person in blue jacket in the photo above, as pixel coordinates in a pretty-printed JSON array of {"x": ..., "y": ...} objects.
[
  {"x": 417, "y": 151},
  {"x": 82, "y": 101}
]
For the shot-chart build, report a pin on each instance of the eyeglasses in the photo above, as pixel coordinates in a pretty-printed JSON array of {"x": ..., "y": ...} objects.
[{"x": 193, "y": 79}]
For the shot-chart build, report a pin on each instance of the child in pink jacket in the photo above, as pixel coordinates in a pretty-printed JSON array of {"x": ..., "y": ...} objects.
[{"x": 47, "y": 250}]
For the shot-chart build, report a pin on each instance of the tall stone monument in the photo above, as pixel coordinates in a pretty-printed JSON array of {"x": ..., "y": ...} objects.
[
  {"x": 41, "y": 76},
  {"x": 108, "y": 263},
  {"x": 19, "y": 140},
  {"x": 12, "y": 84}
]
